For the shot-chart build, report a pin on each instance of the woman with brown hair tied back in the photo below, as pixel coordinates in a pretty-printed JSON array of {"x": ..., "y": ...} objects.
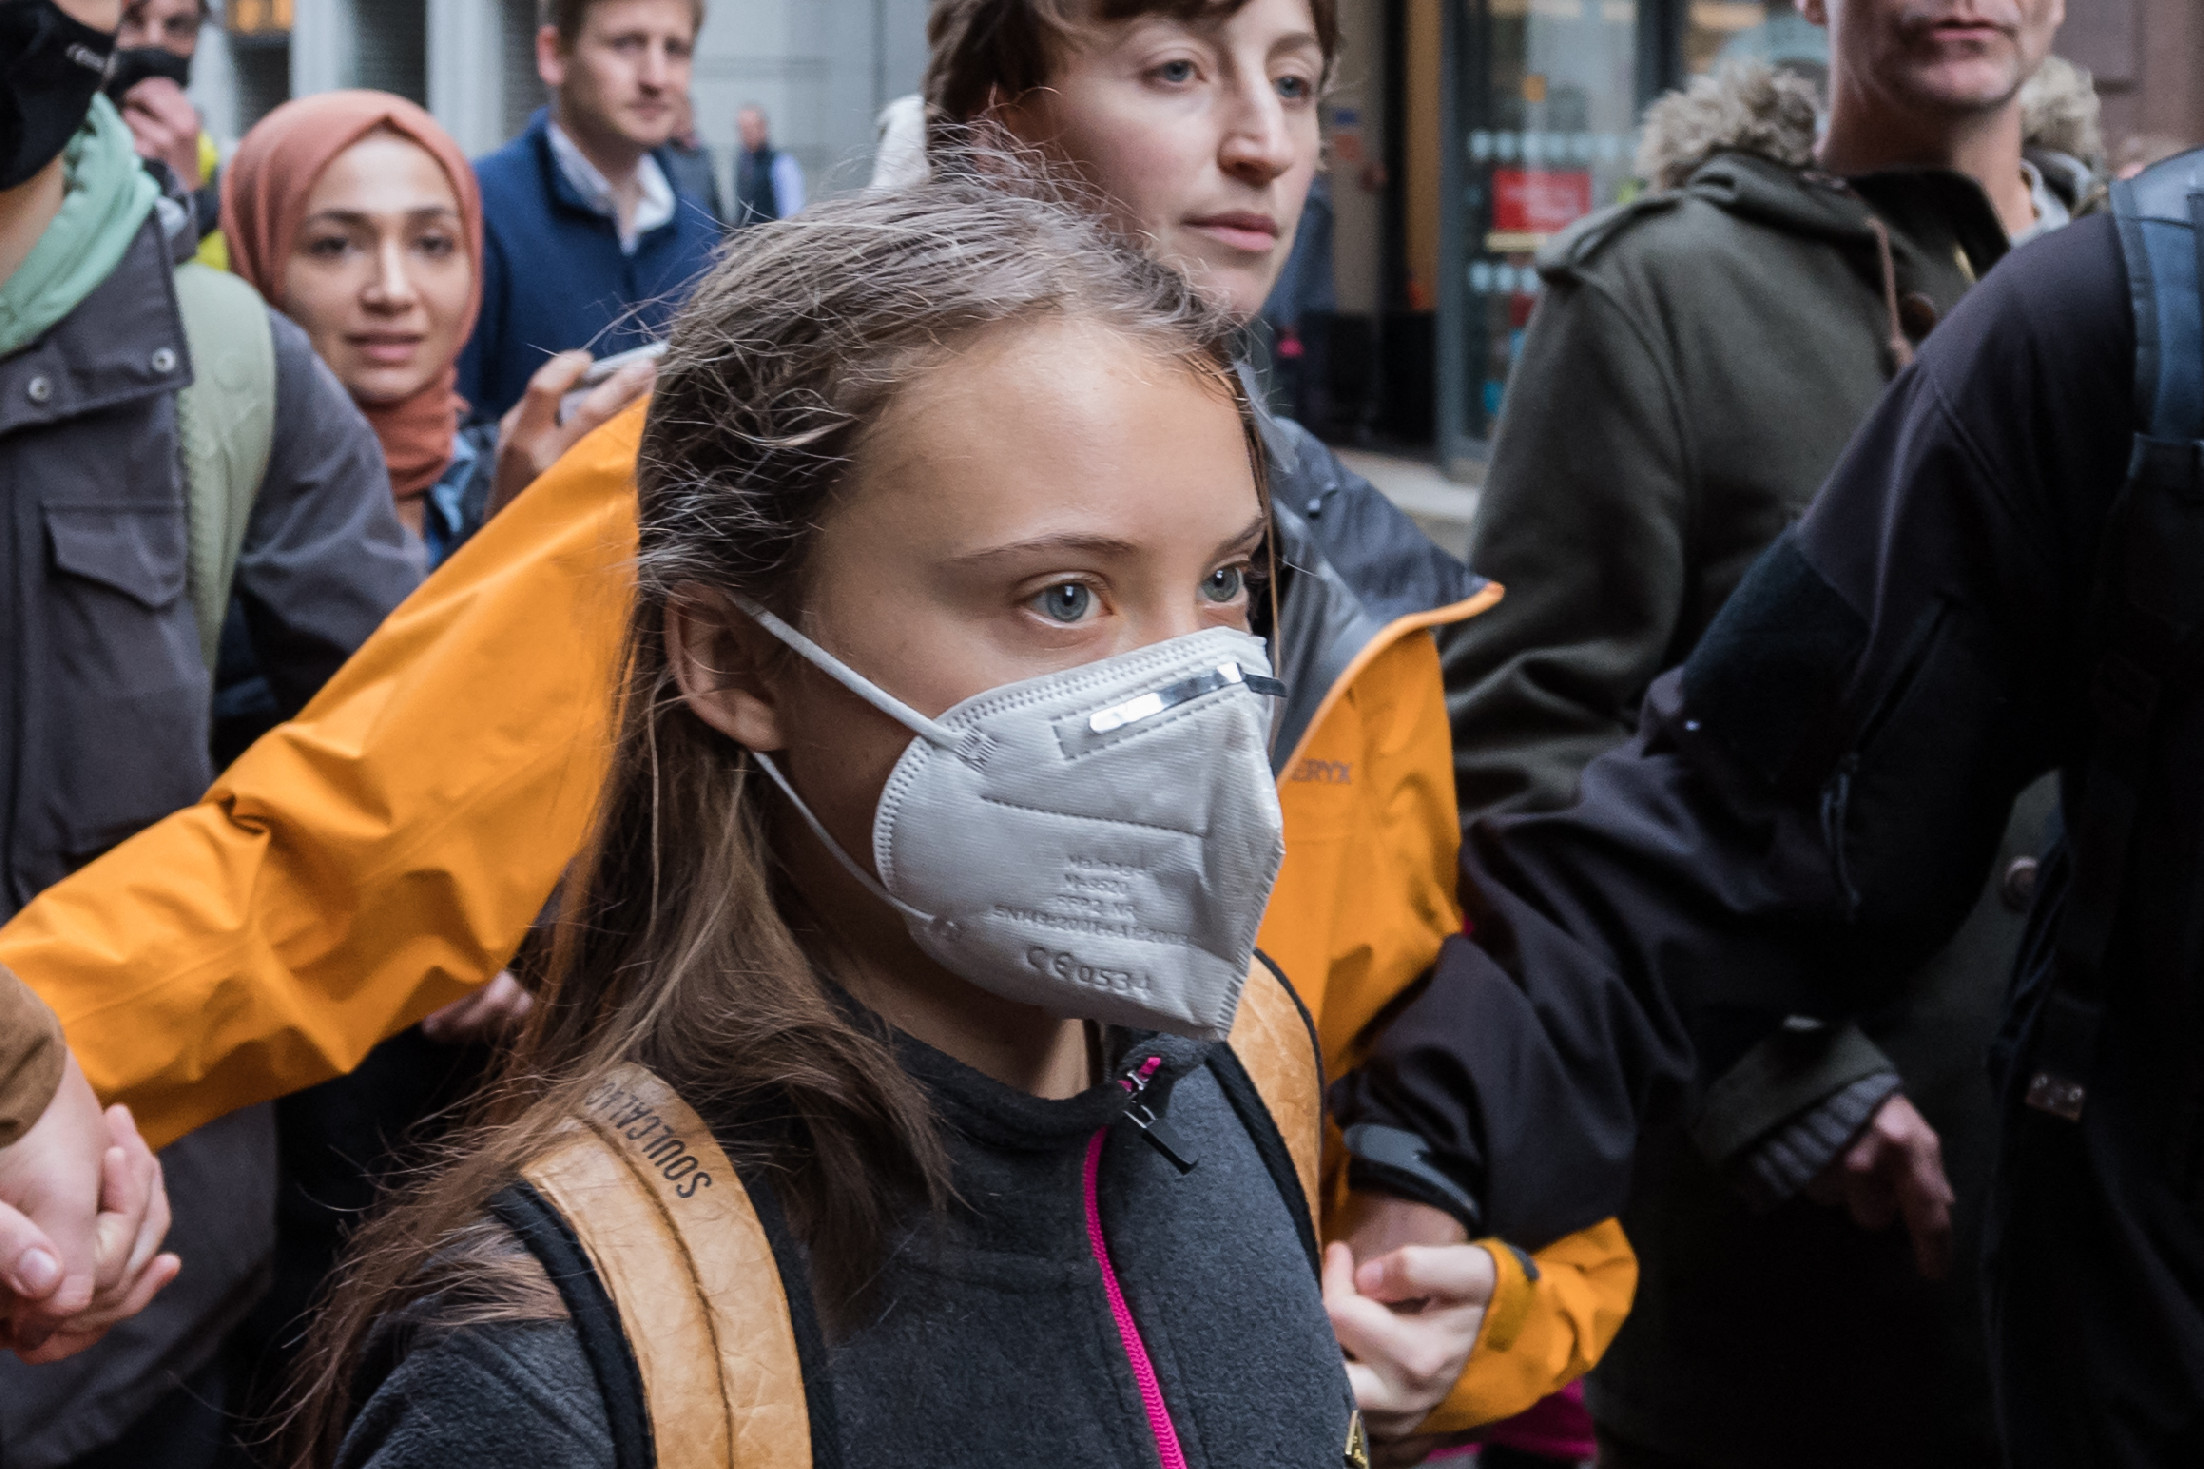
[{"x": 357, "y": 214}]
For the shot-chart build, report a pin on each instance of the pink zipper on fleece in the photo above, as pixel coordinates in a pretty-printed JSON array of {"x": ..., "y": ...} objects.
[{"x": 1128, "y": 1330}]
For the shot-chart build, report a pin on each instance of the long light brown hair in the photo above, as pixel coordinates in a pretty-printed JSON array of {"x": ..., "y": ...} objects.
[{"x": 680, "y": 946}]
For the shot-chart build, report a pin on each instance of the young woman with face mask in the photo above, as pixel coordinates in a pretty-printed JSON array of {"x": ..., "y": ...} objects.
[
  {"x": 459, "y": 739},
  {"x": 927, "y": 874},
  {"x": 1196, "y": 123}
]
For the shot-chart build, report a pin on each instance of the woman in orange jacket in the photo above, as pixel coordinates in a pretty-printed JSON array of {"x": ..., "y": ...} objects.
[{"x": 385, "y": 853}]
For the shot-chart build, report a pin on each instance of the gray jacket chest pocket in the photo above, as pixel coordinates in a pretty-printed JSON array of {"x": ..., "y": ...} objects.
[
  {"x": 118, "y": 618},
  {"x": 119, "y": 716},
  {"x": 137, "y": 550}
]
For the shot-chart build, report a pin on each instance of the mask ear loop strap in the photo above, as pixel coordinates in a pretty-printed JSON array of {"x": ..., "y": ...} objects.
[
  {"x": 826, "y": 838},
  {"x": 932, "y": 731}
]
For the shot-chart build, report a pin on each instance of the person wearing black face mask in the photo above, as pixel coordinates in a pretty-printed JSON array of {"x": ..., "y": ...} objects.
[
  {"x": 154, "y": 48},
  {"x": 150, "y": 409}
]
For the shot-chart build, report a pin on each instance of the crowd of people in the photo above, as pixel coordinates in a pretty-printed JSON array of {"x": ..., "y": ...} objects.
[{"x": 639, "y": 882}]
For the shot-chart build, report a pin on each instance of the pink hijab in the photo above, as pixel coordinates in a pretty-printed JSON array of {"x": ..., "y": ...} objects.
[{"x": 264, "y": 192}]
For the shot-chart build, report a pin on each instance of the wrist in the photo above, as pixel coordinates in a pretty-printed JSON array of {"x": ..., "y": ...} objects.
[{"x": 1394, "y": 1161}]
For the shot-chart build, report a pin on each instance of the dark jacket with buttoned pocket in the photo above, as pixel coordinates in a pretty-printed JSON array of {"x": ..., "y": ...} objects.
[{"x": 105, "y": 703}]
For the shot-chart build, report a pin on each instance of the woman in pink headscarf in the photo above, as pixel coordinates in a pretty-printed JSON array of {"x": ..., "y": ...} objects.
[{"x": 357, "y": 214}]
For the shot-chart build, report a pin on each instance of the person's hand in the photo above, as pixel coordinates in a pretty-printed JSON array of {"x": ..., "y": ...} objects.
[
  {"x": 166, "y": 126},
  {"x": 1409, "y": 1313},
  {"x": 1408, "y": 1321},
  {"x": 530, "y": 437},
  {"x": 491, "y": 1012},
  {"x": 133, "y": 1220},
  {"x": 1895, "y": 1168},
  {"x": 82, "y": 1211}
]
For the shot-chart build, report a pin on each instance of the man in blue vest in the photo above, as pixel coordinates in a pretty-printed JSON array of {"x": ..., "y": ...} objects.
[
  {"x": 768, "y": 183},
  {"x": 586, "y": 242}
]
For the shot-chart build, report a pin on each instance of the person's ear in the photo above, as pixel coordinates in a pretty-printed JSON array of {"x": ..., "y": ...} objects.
[
  {"x": 721, "y": 661},
  {"x": 550, "y": 57}
]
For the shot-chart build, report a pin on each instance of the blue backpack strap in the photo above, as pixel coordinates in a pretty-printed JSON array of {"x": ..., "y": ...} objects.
[
  {"x": 2148, "y": 602},
  {"x": 2157, "y": 213}
]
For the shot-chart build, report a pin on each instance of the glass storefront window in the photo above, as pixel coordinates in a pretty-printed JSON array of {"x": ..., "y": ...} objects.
[
  {"x": 1547, "y": 98},
  {"x": 1554, "y": 141}
]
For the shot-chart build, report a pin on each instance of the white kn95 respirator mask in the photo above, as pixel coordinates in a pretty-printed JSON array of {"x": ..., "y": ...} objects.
[{"x": 1100, "y": 842}]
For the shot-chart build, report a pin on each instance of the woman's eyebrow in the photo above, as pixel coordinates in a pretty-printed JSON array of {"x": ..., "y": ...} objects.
[
  {"x": 1249, "y": 538},
  {"x": 368, "y": 216},
  {"x": 1070, "y": 541},
  {"x": 1076, "y": 542}
]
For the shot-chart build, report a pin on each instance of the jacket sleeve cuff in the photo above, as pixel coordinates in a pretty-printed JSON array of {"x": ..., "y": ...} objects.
[
  {"x": 1789, "y": 1158},
  {"x": 1797, "y": 1068},
  {"x": 31, "y": 1057},
  {"x": 1550, "y": 1320},
  {"x": 1392, "y": 1160}
]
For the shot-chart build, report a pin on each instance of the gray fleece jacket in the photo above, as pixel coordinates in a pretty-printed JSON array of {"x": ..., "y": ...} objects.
[{"x": 992, "y": 1341}]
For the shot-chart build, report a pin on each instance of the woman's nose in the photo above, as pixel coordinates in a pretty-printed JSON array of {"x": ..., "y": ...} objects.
[
  {"x": 1257, "y": 145},
  {"x": 390, "y": 288}
]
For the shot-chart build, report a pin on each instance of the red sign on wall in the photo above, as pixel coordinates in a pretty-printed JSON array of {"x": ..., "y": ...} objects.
[{"x": 1539, "y": 201}]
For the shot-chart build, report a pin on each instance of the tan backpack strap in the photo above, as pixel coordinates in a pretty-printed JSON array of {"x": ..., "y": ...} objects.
[
  {"x": 678, "y": 1243},
  {"x": 1275, "y": 1041}
]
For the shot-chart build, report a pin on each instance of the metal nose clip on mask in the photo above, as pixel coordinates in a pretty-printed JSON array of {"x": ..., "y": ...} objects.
[{"x": 1100, "y": 842}]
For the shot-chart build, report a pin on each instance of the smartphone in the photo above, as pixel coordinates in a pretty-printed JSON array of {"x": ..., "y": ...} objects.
[{"x": 603, "y": 368}]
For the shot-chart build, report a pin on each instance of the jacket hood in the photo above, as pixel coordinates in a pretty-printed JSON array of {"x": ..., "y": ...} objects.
[
  {"x": 1352, "y": 564},
  {"x": 1741, "y": 107},
  {"x": 1751, "y": 108}
]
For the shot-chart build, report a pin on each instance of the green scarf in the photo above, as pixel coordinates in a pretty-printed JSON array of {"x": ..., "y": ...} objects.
[{"x": 107, "y": 196}]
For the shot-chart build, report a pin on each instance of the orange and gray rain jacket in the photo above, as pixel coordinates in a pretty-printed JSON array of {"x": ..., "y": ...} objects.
[{"x": 386, "y": 851}]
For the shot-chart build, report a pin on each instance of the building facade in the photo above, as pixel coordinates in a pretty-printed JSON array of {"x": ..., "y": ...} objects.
[
  {"x": 820, "y": 68},
  {"x": 1463, "y": 134}
]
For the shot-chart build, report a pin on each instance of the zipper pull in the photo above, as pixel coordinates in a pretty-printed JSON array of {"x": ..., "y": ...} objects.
[
  {"x": 1161, "y": 1137},
  {"x": 1159, "y": 1134}
]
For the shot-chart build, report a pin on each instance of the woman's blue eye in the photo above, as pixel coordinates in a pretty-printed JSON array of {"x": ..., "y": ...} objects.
[
  {"x": 1176, "y": 71},
  {"x": 1068, "y": 601},
  {"x": 1225, "y": 584},
  {"x": 1295, "y": 89}
]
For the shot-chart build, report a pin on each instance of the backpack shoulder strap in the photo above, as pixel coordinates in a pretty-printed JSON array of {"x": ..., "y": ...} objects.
[
  {"x": 1273, "y": 1075},
  {"x": 2157, "y": 214},
  {"x": 2147, "y": 602},
  {"x": 226, "y": 421},
  {"x": 677, "y": 1245}
]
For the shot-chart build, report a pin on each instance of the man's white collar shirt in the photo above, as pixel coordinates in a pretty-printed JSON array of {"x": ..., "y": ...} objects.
[{"x": 652, "y": 210}]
